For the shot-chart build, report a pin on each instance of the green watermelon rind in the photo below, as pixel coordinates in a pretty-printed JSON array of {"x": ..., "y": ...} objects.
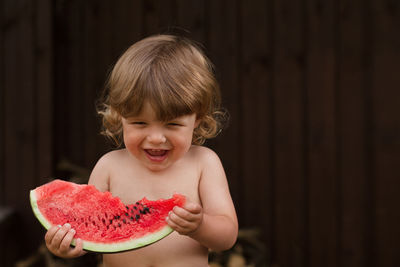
[
  {"x": 106, "y": 247},
  {"x": 37, "y": 212},
  {"x": 127, "y": 245}
]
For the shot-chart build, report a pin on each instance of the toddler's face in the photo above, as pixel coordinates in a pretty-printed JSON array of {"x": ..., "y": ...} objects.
[{"x": 156, "y": 144}]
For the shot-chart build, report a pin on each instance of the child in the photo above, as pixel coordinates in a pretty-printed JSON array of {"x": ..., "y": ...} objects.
[{"x": 162, "y": 104}]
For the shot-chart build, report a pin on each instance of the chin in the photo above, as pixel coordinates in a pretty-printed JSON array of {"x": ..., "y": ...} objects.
[{"x": 157, "y": 167}]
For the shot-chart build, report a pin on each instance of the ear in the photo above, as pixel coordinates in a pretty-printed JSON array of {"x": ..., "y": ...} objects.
[{"x": 197, "y": 123}]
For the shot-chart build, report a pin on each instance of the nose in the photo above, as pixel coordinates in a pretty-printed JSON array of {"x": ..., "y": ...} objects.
[{"x": 156, "y": 137}]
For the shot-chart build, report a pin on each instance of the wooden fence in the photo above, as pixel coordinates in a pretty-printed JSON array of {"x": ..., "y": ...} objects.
[{"x": 312, "y": 152}]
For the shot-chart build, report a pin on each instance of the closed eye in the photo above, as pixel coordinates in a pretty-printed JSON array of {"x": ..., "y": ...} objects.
[{"x": 174, "y": 124}]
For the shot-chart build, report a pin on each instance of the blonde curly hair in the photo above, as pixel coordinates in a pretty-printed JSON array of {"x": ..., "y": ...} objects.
[{"x": 174, "y": 75}]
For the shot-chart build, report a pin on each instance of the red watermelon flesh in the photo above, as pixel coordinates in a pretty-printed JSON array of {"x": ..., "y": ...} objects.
[{"x": 102, "y": 221}]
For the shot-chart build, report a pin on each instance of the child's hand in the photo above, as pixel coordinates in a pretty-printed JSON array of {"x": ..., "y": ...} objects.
[
  {"x": 186, "y": 220},
  {"x": 58, "y": 240}
]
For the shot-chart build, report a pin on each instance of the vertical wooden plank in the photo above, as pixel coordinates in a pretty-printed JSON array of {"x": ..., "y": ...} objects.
[
  {"x": 74, "y": 102},
  {"x": 150, "y": 18},
  {"x": 127, "y": 24},
  {"x": 44, "y": 89},
  {"x": 386, "y": 126},
  {"x": 69, "y": 33},
  {"x": 351, "y": 128},
  {"x": 2, "y": 106},
  {"x": 191, "y": 17},
  {"x": 10, "y": 81},
  {"x": 255, "y": 118},
  {"x": 60, "y": 61},
  {"x": 167, "y": 17},
  {"x": 290, "y": 215},
  {"x": 321, "y": 132},
  {"x": 158, "y": 16},
  {"x": 95, "y": 41},
  {"x": 98, "y": 44},
  {"x": 224, "y": 52}
]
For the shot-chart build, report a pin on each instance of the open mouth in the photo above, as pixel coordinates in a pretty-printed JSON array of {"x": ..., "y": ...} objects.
[{"x": 156, "y": 154}]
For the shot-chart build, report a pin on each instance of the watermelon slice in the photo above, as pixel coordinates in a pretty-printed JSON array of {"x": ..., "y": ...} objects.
[{"x": 102, "y": 221}]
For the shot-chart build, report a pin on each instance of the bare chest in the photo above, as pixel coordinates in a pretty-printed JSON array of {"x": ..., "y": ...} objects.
[
  {"x": 131, "y": 184},
  {"x": 174, "y": 250}
]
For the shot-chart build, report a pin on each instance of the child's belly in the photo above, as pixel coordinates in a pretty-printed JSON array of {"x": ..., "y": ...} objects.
[{"x": 175, "y": 250}]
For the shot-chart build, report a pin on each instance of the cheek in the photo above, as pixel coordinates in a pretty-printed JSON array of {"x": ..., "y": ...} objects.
[
  {"x": 130, "y": 140},
  {"x": 184, "y": 141}
]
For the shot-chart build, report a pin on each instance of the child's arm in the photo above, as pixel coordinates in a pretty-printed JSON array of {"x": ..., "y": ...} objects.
[{"x": 214, "y": 224}]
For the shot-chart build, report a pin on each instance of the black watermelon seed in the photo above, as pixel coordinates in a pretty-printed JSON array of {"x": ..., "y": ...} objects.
[
  {"x": 116, "y": 217},
  {"x": 137, "y": 203},
  {"x": 135, "y": 207},
  {"x": 131, "y": 218},
  {"x": 127, "y": 207},
  {"x": 137, "y": 216},
  {"x": 111, "y": 221},
  {"x": 119, "y": 225},
  {"x": 126, "y": 214}
]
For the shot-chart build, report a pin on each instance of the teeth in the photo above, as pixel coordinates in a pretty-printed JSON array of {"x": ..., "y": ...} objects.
[{"x": 156, "y": 152}]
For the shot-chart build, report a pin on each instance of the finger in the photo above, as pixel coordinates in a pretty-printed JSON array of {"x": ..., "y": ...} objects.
[
  {"x": 51, "y": 233},
  {"x": 183, "y": 230},
  {"x": 173, "y": 225},
  {"x": 78, "y": 249},
  {"x": 185, "y": 214},
  {"x": 65, "y": 245},
  {"x": 59, "y": 236},
  {"x": 179, "y": 220},
  {"x": 193, "y": 207},
  {"x": 181, "y": 212}
]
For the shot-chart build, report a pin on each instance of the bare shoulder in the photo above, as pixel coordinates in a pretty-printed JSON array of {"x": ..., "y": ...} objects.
[
  {"x": 100, "y": 176},
  {"x": 208, "y": 161},
  {"x": 204, "y": 154},
  {"x": 113, "y": 156}
]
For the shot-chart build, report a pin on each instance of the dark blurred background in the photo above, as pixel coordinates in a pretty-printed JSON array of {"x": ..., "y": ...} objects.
[{"x": 312, "y": 151}]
